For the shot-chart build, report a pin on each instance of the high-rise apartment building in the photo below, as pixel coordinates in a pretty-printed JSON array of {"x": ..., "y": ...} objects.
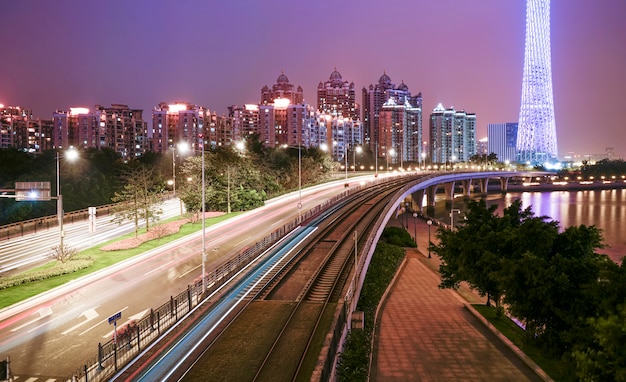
[
  {"x": 337, "y": 97},
  {"x": 78, "y": 127},
  {"x": 244, "y": 120},
  {"x": 482, "y": 146},
  {"x": 282, "y": 113},
  {"x": 282, "y": 89},
  {"x": 21, "y": 131},
  {"x": 341, "y": 135},
  {"x": 536, "y": 136},
  {"x": 121, "y": 129},
  {"x": 117, "y": 127},
  {"x": 374, "y": 97},
  {"x": 452, "y": 135},
  {"x": 503, "y": 140},
  {"x": 400, "y": 131},
  {"x": 180, "y": 122}
]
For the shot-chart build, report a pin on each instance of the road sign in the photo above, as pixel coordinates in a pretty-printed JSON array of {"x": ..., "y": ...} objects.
[
  {"x": 115, "y": 317},
  {"x": 92, "y": 219},
  {"x": 32, "y": 191}
]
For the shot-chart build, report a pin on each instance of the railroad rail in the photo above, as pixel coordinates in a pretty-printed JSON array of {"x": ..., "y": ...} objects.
[{"x": 313, "y": 292}]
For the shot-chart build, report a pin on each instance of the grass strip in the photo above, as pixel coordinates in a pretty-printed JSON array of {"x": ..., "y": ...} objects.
[
  {"x": 554, "y": 367},
  {"x": 100, "y": 260}
]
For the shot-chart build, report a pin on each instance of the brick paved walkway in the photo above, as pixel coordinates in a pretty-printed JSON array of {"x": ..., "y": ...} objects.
[{"x": 427, "y": 334}]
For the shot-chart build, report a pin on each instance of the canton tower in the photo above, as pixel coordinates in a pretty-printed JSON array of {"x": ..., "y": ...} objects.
[{"x": 536, "y": 135}]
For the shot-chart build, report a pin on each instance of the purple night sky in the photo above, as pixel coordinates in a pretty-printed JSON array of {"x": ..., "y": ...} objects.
[{"x": 463, "y": 53}]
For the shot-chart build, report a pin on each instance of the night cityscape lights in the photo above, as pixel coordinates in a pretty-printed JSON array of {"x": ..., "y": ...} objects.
[{"x": 536, "y": 135}]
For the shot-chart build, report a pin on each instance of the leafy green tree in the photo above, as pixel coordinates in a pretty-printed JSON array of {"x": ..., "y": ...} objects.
[
  {"x": 551, "y": 288},
  {"x": 139, "y": 199},
  {"x": 554, "y": 282},
  {"x": 474, "y": 251},
  {"x": 606, "y": 361}
]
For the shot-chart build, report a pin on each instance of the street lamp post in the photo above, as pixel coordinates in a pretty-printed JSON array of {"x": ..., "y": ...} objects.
[
  {"x": 59, "y": 205},
  {"x": 183, "y": 147},
  {"x": 452, "y": 211},
  {"x": 203, "y": 222},
  {"x": 376, "y": 160},
  {"x": 174, "y": 170},
  {"x": 415, "y": 227},
  {"x": 299, "y": 180},
  {"x": 356, "y": 150},
  {"x": 429, "y": 222},
  {"x": 345, "y": 157},
  {"x": 70, "y": 154}
]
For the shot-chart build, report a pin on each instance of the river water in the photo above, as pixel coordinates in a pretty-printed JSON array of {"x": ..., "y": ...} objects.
[{"x": 603, "y": 208}]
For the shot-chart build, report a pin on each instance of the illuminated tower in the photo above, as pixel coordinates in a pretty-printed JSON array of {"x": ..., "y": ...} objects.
[{"x": 536, "y": 135}]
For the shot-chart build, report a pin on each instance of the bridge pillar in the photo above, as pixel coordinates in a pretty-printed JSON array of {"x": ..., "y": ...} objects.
[
  {"x": 431, "y": 192},
  {"x": 449, "y": 193},
  {"x": 504, "y": 183},
  {"x": 467, "y": 188},
  {"x": 483, "y": 185},
  {"x": 417, "y": 199}
]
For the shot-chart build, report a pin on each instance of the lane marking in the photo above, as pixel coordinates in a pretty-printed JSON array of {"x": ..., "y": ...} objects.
[
  {"x": 135, "y": 317},
  {"x": 89, "y": 314},
  {"x": 105, "y": 320},
  {"x": 43, "y": 313},
  {"x": 158, "y": 268},
  {"x": 189, "y": 271}
]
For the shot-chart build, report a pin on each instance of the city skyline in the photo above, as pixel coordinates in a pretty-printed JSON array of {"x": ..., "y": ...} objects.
[{"x": 73, "y": 53}]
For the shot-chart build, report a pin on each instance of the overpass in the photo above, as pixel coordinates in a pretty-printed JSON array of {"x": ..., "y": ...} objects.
[{"x": 469, "y": 182}]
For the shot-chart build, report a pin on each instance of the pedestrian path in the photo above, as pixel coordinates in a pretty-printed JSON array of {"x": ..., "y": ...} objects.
[{"x": 428, "y": 334}]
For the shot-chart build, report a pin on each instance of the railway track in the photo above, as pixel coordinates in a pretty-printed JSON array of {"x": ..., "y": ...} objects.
[{"x": 307, "y": 284}]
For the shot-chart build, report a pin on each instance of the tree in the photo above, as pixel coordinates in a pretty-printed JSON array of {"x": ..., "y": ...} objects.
[
  {"x": 473, "y": 252},
  {"x": 139, "y": 199},
  {"x": 62, "y": 254},
  {"x": 606, "y": 360},
  {"x": 553, "y": 282}
]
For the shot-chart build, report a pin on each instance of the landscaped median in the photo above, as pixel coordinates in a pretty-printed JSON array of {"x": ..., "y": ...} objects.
[{"x": 28, "y": 284}]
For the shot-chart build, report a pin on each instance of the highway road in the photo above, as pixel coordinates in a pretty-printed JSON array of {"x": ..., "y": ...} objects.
[
  {"x": 21, "y": 253},
  {"x": 51, "y": 335}
]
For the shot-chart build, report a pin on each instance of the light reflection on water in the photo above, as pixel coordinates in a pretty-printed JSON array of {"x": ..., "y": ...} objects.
[{"x": 603, "y": 208}]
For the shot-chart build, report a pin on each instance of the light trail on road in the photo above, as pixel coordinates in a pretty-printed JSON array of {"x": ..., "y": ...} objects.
[{"x": 33, "y": 249}]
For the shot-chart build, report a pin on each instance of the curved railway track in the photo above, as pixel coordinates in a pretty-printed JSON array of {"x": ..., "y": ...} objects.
[{"x": 309, "y": 281}]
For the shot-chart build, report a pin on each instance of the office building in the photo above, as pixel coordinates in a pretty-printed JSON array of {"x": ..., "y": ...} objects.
[{"x": 503, "y": 141}]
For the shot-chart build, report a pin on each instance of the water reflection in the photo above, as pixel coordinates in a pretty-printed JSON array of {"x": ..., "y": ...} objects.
[{"x": 602, "y": 208}]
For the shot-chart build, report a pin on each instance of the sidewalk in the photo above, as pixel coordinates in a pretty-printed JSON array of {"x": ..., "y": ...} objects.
[{"x": 425, "y": 333}]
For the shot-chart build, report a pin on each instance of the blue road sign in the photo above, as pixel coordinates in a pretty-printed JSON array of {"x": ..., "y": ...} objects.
[{"x": 115, "y": 317}]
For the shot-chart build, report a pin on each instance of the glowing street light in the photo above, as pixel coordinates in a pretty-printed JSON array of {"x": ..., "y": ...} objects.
[
  {"x": 429, "y": 222},
  {"x": 71, "y": 155},
  {"x": 183, "y": 148},
  {"x": 356, "y": 150},
  {"x": 391, "y": 152}
]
